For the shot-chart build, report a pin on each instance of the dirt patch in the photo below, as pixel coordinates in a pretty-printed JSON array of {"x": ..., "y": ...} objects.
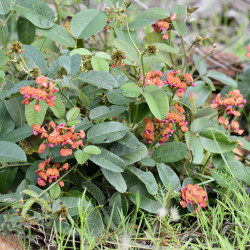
[{"x": 10, "y": 242}]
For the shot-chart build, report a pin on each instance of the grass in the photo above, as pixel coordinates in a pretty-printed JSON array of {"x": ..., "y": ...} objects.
[{"x": 223, "y": 226}]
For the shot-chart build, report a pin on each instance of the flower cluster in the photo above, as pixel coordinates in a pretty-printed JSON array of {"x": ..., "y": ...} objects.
[
  {"x": 44, "y": 91},
  {"x": 164, "y": 25},
  {"x": 153, "y": 78},
  {"x": 247, "y": 54},
  {"x": 233, "y": 98},
  {"x": 60, "y": 135},
  {"x": 15, "y": 47},
  {"x": 48, "y": 172},
  {"x": 234, "y": 126},
  {"x": 164, "y": 129},
  {"x": 193, "y": 195},
  {"x": 178, "y": 81},
  {"x": 118, "y": 56}
]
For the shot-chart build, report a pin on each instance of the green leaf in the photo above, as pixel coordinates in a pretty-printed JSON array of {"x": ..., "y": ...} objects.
[
  {"x": 33, "y": 58},
  {"x": 36, "y": 12},
  {"x": 147, "y": 178},
  {"x": 157, "y": 101},
  {"x": 6, "y": 122},
  {"x": 84, "y": 124},
  {"x": 106, "y": 132},
  {"x": 16, "y": 110},
  {"x": 166, "y": 48},
  {"x": 102, "y": 112},
  {"x": 81, "y": 156},
  {"x": 59, "y": 108},
  {"x": 101, "y": 79},
  {"x": 10, "y": 152},
  {"x": 30, "y": 193},
  {"x": 202, "y": 69},
  {"x": 148, "y": 161},
  {"x": 201, "y": 91},
  {"x": 153, "y": 37},
  {"x": 82, "y": 97},
  {"x": 129, "y": 155},
  {"x": 17, "y": 134},
  {"x": 99, "y": 64},
  {"x": 148, "y": 16},
  {"x": 55, "y": 191},
  {"x": 30, "y": 174},
  {"x": 130, "y": 140},
  {"x": 71, "y": 63},
  {"x": 95, "y": 191},
  {"x": 7, "y": 177},
  {"x": 108, "y": 160},
  {"x": 120, "y": 201},
  {"x": 138, "y": 23},
  {"x": 25, "y": 30},
  {"x": 240, "y": 171},
  {"x": 130, "y": 89},
  {"x": 103, "y": 55},
  {"x": 92, "y": 150},
  {"x": 28, "y": 204},
  {"x": 115, "y": 97},
  {"x": 35, "y": 117},
  {"x": 115, "y": 179},
  {"x": 5, "y": 6},
  {"x": 72, "y": 114},
  {"x": 165, "y": 154},
  {"x": 200, "y": 123},
  {"x": 178, "y": 9},
  {"x": 194, "y": 144},
  {"x": 168, "y": 176},
  {"x": 246, "y": 144},
  {"x": 222, "y": 78},
  {"x": 73, "y": 123},
  {"x": 180, "y": 27},
  {"x": 207, "y": 141},
  {"x": 16, "y": 88},
  {"x": 81, "y": 52},
  {"x": 206, "y": 112},
  {"x": 128, "y": 49},
  {"x": 147, "y": 201},
  {"x": 87, "y": 23},
  {"x": 58, "y": 34}
]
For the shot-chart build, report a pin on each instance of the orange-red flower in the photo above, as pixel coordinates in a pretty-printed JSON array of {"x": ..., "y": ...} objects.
[
  {"x": 61, "y": 183},
  {"x": 178, "y": 81},
  {"x": 48, "y": 171},
  {"x": 44, "y": 91},
  {"x": 42, "y": 148},
  {"x": 194, "y": 195},
  {"x": 164, "y": 127},
  {"x": 153, "y": 78}
]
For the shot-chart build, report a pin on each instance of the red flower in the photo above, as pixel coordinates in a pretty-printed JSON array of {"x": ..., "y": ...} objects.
[
  {"x": 37, "y": 107},
  {"x": 42, "y": 148},
  {"x": 194, "y": 195},
  {"x": 61, "y": 183}
]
